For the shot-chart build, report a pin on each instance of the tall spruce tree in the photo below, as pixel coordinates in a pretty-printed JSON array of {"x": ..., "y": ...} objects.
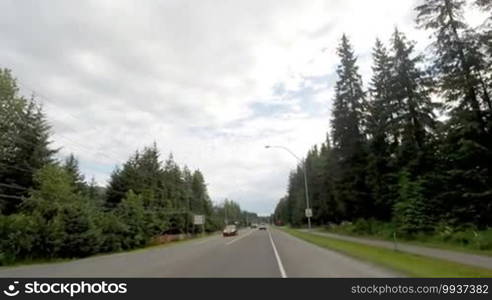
[
  {"x": 201, "y": 201},
  {"x": 349, "y": 142},
  {"x": 415, "y": 117},
  {"x": 416, "y": 124},
  {"x": 383, "y": 133},
  {"x": 485, "y": 35},
  {"x": 24, "y": 143},
  {"x": 459, "y": 65},
  {"x": 142, "y": 174},
  {"x": 463, "y": 79}
]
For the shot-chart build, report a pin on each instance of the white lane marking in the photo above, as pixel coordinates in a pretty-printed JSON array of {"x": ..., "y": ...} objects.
[
  {"x": 279, "y": 262},
  {"x": 241, "y": 237}
]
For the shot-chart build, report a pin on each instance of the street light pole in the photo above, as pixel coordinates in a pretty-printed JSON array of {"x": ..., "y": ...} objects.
[
  {"x": 304, "y": 171},
  {"x": 225, "y": 214},
  {"x": 307, "y": 195}
]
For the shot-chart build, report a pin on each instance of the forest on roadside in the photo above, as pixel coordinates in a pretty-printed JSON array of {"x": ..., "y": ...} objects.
[
  {"x": 49, "y": 210},
  {"x": 411, "y": 153}
]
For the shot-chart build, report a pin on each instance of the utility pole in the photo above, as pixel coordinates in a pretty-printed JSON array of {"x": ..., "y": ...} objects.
[
  {"x": 225, "y": 213},
  {"x": 307, "y": 196}
]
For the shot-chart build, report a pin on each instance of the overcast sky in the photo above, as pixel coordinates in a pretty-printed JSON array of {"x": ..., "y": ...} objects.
[{"x": 210, "y": 81}]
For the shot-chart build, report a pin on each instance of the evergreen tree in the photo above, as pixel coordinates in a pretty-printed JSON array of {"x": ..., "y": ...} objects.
[
  {"x": 65, "y": 218},
  {"x": 281, "y": 213},
  {"x": 416, "y": 122},
  {"x": 486, "y": 34},
  {"x": 131, "y": 212},
  {"x": 485, "y": 4},
  {"x": 315, "y": 171},
  {"x": 20, "y": 234},
  {"x": 383, "y": 132},
  {"x": 143, "y": 174},
  {"x": 81, "y": 236},
  {"x": 174, "y": 185},
  {"x": 113, "y": 231},
  {"x": 463, "y": 79},
  {"x": 412, "y": 210},
  {"x": 331, "y": 209},
  {"x": 415, "y": 113},
  {"x": 296, "y": 201},
  {"x": 24, "y": 143},
  {"x": 349, "y": 142},
  {"x": 116, "y": 188},
  {"x": 201, "y": 201},
  {"x": 458, "y": 64},
  {"x": 71, "y": 165},
  {"x": 95, "y": 193}
]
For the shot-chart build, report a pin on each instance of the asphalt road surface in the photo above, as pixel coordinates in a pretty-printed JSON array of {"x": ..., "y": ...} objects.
[{"x": 253, "y": 253}]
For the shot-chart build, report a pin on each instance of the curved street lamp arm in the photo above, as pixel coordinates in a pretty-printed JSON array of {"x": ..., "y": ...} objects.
[{"x": 288, "y": 150}]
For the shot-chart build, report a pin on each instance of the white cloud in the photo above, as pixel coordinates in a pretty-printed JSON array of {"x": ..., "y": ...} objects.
[{"x": 198, "y": 77}]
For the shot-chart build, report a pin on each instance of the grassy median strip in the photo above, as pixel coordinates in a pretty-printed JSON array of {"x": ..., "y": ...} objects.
[{"x": 406, "y": 263}]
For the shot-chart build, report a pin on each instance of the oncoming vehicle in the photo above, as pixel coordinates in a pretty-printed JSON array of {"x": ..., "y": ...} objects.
[
  {"x": 262, "y": 226},
  {"x": 230, "y": 230},
  {"x": 254, "y": 225}
]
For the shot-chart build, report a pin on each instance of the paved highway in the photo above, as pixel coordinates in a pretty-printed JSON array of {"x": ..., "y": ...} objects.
[{"x": 253, "y": 253}]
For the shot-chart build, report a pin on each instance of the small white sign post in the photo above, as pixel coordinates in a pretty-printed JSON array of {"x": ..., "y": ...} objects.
[
  {"x": 309, "y": 213},
  {"x": 199, "y": 220}
]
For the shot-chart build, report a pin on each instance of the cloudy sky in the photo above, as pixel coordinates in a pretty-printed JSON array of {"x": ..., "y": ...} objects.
[{"x": 210, "y": 81}]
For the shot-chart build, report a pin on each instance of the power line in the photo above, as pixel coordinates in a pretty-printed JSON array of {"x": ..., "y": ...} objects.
[
  {"x": 14, "y": 186},
  {"x": 68, "y": 139},
  {"x": 11, "y": 197},
  {"x": 18, "y": 168},
  {"x": 74, "y": 144}
]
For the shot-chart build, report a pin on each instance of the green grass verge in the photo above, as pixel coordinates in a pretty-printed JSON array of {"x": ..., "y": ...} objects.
[
  {"x": 406, "y": 263},
  {"x": 430, "y": 244}
]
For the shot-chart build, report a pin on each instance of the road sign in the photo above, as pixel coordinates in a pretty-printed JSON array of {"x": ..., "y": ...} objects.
[
  {"x": 198, "y": 219},
  {"x": 309, "y": 213}
]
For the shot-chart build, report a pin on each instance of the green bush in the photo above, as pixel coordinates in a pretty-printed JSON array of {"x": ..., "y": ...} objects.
[
  {"x": 362, "y": 227},
  {"x": 484, "y": 239},
  {"x": 64, "y": 220},
  {"x": 112, "y": 232},
  {"x": 410, "y": 211},
  {"x": 81, "y": 237},
  {"x": 18, "y": 234},
  {"x": 470, "y": 238}
]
